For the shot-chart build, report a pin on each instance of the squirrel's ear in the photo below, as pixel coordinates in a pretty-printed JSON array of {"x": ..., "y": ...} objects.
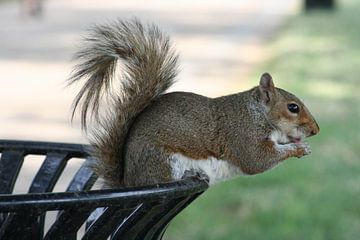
[{"x": 266, "y": 87}]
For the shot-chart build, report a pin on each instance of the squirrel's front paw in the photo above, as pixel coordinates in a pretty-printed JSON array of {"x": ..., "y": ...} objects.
[
  {"x": 302, "y": 149},
  {"x": 199, "y": 174}
]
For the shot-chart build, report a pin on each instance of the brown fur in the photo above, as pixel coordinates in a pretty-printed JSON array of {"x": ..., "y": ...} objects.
[{"x": 134, "y": 143}]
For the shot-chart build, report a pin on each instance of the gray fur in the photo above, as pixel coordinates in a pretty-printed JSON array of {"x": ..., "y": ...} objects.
[
  {"x": 143, "y": 127},
  {"x": 149, "y": 69}
]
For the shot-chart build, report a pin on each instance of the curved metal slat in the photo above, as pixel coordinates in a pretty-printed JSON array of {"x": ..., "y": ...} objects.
[
  {"x": 44, "y": 181},
  {"x": 10, "y": 165},
  {"x": 49, "y": 172},
  {"x": 137, "y": 214},
  {"x": 157, "y": 230},
  {"x": 67, "y": 224},
  {"x": 84, "y": 178},
  {"x": 105, "y": 224},
  {"x": 21, "y": 226},
  {"x": 145, "y": 228}
]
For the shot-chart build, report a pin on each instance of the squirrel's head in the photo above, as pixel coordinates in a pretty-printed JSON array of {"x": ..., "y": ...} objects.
[{"x": 286, "y": 112}]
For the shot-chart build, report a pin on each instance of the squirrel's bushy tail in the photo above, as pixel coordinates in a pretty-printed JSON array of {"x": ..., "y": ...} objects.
[{"x": 148, "y": 70}]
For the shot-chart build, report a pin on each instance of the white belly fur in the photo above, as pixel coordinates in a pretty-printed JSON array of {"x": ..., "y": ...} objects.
[{"x": 217, "y": 170}]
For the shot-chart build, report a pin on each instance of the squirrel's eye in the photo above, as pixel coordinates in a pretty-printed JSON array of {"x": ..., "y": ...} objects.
[{"x": 294, "y": 108}]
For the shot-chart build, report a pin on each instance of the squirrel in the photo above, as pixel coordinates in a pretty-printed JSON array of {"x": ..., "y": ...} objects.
[{"x": 143, "y": 135}]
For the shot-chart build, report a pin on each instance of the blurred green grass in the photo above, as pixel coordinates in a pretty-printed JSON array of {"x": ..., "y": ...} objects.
[{"x": 316, "y": 56}]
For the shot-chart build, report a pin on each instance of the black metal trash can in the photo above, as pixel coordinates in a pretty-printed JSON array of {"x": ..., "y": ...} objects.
[{"x": 130, "y": 213}]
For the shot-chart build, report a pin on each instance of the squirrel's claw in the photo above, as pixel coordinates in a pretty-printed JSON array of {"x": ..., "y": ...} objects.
[
  {"x": 303, "y": 148},
  {"x": 198, "y": 174}
]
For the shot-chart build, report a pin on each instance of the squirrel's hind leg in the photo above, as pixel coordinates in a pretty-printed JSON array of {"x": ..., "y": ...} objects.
[{"x": 146, "y": 164}]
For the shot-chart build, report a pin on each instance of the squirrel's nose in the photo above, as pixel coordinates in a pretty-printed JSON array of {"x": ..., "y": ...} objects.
[
  {"x": 315, "y": 129},
  {"x": 312, "y": 133}
]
